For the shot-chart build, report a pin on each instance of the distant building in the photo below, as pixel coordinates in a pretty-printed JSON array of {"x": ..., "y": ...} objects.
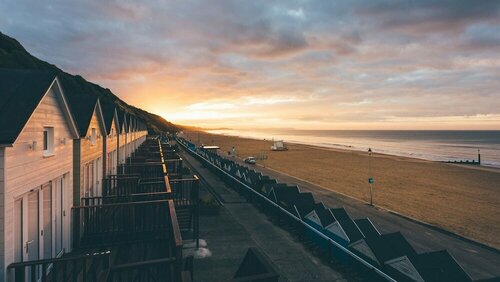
[{"x": 279, "y": 145}]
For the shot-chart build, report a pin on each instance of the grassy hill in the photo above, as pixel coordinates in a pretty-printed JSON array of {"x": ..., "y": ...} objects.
[{"x": 13, "y": 55}]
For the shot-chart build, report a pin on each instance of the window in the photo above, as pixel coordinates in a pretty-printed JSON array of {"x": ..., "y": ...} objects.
[
  {"x": 93, "y": 137},
  {"x": 48, "y": 141}
]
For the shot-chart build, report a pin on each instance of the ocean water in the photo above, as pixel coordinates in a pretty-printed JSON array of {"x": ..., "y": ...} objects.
[{"x": 435, "y": 145}]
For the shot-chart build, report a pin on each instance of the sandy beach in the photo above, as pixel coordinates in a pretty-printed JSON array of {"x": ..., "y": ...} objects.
[{"x": 464, "y": 200}]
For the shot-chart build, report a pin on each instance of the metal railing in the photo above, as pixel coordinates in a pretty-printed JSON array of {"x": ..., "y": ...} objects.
[
  {"x": 243, "y": 187},
  {"x": 167, "y": 268},
  {"x": 114, "y": 185},
  {"x": 185, "y": 191},
  {"x": 109, "y": 224},
  {"x": 144, "y": 170},
  {"x": 86, "y": 267}
]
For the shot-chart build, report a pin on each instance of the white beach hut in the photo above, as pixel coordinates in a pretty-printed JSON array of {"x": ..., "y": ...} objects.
[{"x": 36, "y": 170}]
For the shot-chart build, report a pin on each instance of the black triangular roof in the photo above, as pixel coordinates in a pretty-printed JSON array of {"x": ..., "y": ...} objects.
[
  {"x": 121, "y": 119},
  {"x": 350, "y": 228},
  {"x": 367, "y": 227},
  {"x": 390, "y": 246},
  {"x": 82, "y": 105},
  {"x": 108, "y": 112},
  {"x": 439, "y": 266},
  {"x": 21, "y": 92},
  {"x": 325, "y": 215},
  {"x": 286, "y": 194},
  {"x": 304, "y": 203},
  {"x": 129, "y": 123}
]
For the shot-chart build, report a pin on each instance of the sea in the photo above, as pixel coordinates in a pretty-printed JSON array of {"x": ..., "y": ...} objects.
[{"x": 434, "y": 145}]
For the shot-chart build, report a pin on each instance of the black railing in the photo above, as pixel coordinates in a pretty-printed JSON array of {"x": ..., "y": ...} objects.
[
  {"x": 167, "y": 268},
  {"x": 144, "y": 170},
  {"x": 114, "y": 185},
  {"x": 138, "y": 197},
  {"x": 87, "y": 267},
  {"x": 174, "y": 166},
  {"x": 151, "y": 270},
  {"x": 185, "y": 192},
  {"x": 108, "y": 224},
  {"x": 153, "y": 185}
]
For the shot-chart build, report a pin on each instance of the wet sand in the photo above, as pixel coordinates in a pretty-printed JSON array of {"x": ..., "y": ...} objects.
[{"x": 461, "y": 199}]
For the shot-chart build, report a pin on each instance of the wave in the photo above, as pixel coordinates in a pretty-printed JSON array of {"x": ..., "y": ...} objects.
[{"x": 427, "y": 145}]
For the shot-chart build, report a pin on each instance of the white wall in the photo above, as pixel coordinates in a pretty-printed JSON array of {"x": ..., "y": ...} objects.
[{"x": 26, "y": 169}]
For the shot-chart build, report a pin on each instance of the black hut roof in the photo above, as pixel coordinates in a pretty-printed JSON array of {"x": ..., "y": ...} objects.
[
  {"x": 367, "y": 227},
  {"x": 82, "y": 104},
  {"x": 390, "y": 246},
  {"x": 21, "y": 92},
  {"x": 347, "y": 224},
  {"x": 108, "y": 112},
  {"x": 439, "y": 266}
]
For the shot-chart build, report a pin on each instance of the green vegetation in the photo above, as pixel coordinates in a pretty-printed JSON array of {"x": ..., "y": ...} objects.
[{"x": 13, "y": 55}]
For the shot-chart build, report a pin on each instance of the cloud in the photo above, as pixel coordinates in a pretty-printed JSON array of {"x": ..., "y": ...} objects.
[{"x": 322, "y": 61}]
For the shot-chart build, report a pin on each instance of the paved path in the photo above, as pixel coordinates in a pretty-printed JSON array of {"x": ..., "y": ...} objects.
[
  {"x": 240, "y": 226},
  {"x": 478, "y": 261}
]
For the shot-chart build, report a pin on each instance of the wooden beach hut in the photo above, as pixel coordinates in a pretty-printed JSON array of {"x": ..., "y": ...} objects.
[
  {"x": 122, "y": 136},
  {"x": 88, "y": 163},
  {"x": 110, "y": 149},
  {"x": 36, "y": 171}
]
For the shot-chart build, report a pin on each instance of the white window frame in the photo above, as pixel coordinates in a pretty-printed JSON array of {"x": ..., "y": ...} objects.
[
  {"x": 93, "y": 136},
  {"x": 48, "y": 144}
]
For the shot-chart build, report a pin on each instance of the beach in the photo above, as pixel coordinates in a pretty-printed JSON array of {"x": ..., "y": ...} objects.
[{"x": 461, "y": 199}]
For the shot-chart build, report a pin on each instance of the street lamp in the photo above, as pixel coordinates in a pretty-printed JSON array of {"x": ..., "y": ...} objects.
[{"x": 370, "y": 178}]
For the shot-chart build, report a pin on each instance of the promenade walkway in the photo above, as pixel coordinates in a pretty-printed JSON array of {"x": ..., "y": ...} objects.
[
  {"x": 478, "y": 261},
  {"x": 239, "y": 226}
]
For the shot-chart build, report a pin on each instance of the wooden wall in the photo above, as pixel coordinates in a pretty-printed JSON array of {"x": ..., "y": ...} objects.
[
  {"x": 89, "y": 152},
  {"x": 123, "y": 148},
  {"x": 2, "y": 210},
  {"x": 112, "y": 143},
  {"x": 26, "y": 169}
]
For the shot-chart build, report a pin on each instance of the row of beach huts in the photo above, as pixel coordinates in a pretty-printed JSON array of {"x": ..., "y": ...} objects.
[
  {"x": 355, "y": 242},
  {"x": 55, "y": 148}
]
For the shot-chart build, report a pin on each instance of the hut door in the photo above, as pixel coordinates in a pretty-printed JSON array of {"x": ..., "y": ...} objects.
[
  {"x": 47, "y": 220},
  {"x": 98, "y": 177}
]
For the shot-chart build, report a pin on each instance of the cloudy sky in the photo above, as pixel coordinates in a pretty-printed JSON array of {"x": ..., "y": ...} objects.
[{"x": 282, "y": 64}]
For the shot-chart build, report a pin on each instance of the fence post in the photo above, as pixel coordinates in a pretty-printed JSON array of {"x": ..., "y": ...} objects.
[{"x": 76, "y": 228}]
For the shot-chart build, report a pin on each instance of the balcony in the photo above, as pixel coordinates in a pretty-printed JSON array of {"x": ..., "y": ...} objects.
[{"x": 133, "y": 231}]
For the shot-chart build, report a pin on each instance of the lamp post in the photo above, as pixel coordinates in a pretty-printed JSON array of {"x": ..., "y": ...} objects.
[{"x": 370, "y": 178}]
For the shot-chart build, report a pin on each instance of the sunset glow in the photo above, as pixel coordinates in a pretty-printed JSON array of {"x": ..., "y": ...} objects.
[{"x": 281, "y": 64}]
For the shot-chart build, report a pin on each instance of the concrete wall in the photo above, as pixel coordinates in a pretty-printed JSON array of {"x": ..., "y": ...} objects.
[{"x": 27, "y": 168}]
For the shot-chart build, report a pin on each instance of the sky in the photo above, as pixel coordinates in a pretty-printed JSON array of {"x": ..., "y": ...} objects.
[{"x": 301, "y": 64}]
